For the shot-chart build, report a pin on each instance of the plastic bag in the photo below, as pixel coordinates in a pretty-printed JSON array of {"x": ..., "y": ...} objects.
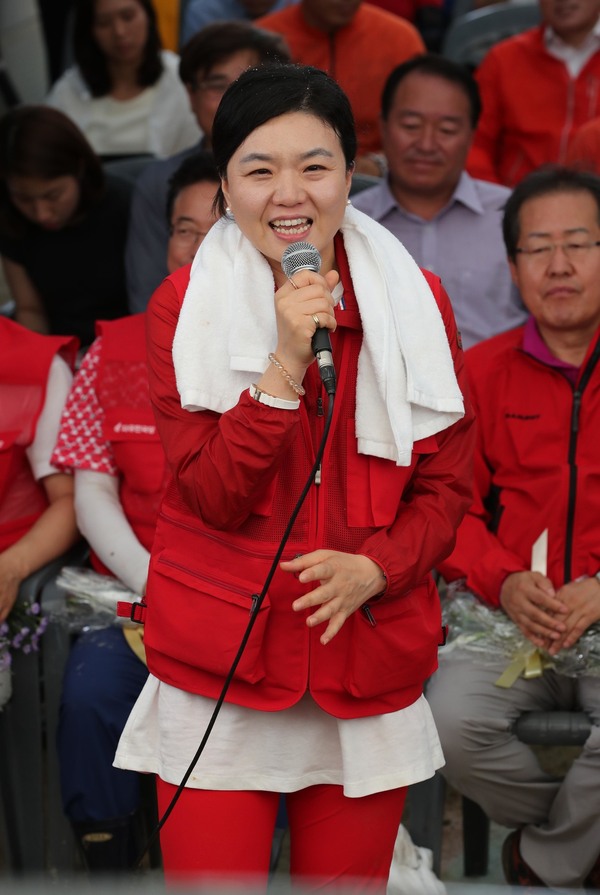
[
  {"x": 91, "y": 599},
  {"x": 476, "y": 627}
]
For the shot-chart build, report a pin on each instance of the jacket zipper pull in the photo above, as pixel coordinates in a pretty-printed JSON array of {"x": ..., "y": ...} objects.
[
  {"x": 318, "y": 475},
  {"x": 366, "y": 610},
  {"x": 575, "y": 414},
  {"x": 320, "y": 406}
]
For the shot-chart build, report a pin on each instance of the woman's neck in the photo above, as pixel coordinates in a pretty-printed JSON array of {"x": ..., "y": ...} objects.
[{"x": 124, "y": 80}]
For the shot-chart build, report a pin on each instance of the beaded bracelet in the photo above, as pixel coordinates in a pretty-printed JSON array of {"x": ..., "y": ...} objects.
[{"x": 297, "y": 388}]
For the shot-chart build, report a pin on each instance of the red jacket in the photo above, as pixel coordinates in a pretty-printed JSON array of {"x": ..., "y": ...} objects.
[
  {"x": 537, "y": 466},
  {"x": 129, "y": 424},
  {"x": 360, "y": 56},
  {"x": 531, "y": 108},
  {"x": 25, "y": 359},
  {"x": 236, "y": 480}
]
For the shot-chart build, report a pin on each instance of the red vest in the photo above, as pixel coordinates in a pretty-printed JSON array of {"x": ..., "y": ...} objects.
[
  {"x": 129, "y": 425},
  {"x": 202, "y": 578},
  {"x": 25, "y": 359}
]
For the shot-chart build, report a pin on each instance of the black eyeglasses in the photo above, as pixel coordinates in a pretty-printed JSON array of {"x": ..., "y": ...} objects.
[{"x": 573, "y": 251}]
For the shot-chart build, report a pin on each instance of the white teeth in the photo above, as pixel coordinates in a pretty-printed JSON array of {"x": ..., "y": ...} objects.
[
  {"x": 294, "y": 226},
  {"x": 293, "y": 222},
  {"x": 294, "y": 230}
]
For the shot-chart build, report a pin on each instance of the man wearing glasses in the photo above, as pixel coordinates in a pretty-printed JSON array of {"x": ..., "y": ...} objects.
[{"x": 530, "y": 545}]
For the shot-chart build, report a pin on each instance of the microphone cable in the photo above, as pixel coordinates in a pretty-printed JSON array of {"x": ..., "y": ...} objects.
[{"x": 257, "y": 601}]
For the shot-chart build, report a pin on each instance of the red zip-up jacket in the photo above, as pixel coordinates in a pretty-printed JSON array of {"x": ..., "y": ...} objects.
[
  {"x": 532, "y": 108},
  {"x": 236, "y": 479},
  {"x": 537, "y": 466}
]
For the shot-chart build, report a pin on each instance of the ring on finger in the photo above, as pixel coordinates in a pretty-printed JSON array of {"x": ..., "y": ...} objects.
[{"x": 317, "y": 321}]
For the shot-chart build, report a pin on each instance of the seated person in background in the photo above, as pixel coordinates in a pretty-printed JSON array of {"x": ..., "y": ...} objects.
[
  {"x": 209, "y": 63},
  {"x": 200, "y": 13},
  {"x": 124, "y": 92},
  {"x": 537, "y": 89},
  {"x": 37, "y": 519},
  {"x": 536, "y": 393},
  {"x": 189, "y": 207},
  {"x": 428, "y": 16},
  {"x": 358, "y": 45},
  {"x": 108, "y": 437},
  {"x": 63, "y": 225},
  {"x": 450, "y": 223}
]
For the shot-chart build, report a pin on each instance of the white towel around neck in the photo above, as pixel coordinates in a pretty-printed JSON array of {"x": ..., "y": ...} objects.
[{"x": 406, "y": 386}]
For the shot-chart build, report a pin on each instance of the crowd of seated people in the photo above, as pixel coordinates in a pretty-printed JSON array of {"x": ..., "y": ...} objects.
[{"x": 83, "y": 249}]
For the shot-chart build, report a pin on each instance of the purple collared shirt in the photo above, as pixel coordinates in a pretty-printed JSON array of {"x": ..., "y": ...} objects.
[
  {"x": 534, "y": 345},
  {"x": 463, "y": 245}
]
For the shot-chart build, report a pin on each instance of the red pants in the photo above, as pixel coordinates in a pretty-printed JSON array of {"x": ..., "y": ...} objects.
[{"x": 337, "y": 843}]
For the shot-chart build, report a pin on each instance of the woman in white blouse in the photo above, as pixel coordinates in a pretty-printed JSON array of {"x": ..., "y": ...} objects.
[{"x": 124, "y": 92}]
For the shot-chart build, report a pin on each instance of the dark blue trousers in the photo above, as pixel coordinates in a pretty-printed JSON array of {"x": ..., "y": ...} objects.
[{"x": 103, "y": 679}]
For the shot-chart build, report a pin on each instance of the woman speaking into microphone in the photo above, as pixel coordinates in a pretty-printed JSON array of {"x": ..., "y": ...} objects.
[{"x": 326, "y": 702}]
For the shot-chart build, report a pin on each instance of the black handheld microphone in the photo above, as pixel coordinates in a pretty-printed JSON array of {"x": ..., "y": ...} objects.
[{"x": 304, "y": 256}]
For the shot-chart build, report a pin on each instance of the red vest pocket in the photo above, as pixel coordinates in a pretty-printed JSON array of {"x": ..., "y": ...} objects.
[
  {"x": 396, "y": 648},
  {"x": 200, "y": 619}
]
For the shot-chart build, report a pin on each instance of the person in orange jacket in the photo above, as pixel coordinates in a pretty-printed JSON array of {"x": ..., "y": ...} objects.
[{"x": 340, "y": 38}]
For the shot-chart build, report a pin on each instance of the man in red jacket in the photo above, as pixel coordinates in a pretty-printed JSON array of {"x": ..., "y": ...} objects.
[
  {"x": 536, "y": 393},
  {"x": 537, "y": 88}
]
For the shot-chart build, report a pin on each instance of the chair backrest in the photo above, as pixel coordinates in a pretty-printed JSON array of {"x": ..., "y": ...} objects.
[
  {"x": 128, "y": 167},
  {"x": 470, "y": 36},
  {"x": 362, "y": 182}
]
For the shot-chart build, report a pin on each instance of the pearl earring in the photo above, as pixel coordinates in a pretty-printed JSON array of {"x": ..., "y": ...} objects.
[{"x": 348, "y": 201}]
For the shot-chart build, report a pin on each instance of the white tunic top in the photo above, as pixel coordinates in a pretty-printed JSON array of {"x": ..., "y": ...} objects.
[
  {"x": 159, "y": 121},
  {"x": 280, "y": 751}
]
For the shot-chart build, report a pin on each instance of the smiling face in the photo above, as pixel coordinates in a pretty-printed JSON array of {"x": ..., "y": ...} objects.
[
  {"x": 51, "y": 204},
  {"x": 121, "y": 30},
  {"x": 562, "y": 292},
  {"x": 426, "y": 136},
  {"x": 288, "y": 182}
]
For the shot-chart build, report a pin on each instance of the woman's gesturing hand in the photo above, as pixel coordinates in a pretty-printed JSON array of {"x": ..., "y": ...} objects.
[{"x": 346, "y": 581}]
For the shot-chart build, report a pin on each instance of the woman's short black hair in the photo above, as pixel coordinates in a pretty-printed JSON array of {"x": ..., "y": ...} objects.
[
  {"x": 268, "y": 91},
  {"x": 41, "y": 142},
  {"x": 196, "y": 168},
  {"x": 437, "y": 67},
  {"x": 217, "y": 42},
  {"x": 91, "y": 60},
  {"x": 544, "y": 182}
]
